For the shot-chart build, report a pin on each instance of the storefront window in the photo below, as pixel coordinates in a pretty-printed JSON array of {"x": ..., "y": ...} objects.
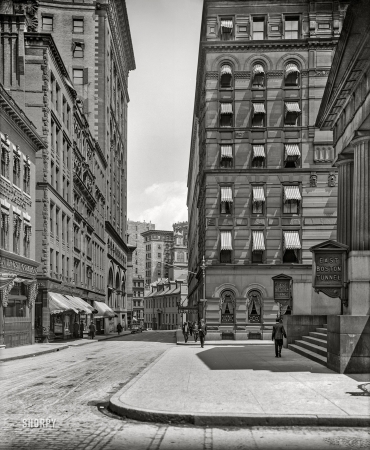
[{"x": 17, "y": 302}]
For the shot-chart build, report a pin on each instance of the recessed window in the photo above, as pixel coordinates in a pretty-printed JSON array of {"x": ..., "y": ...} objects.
[
  {"x": 78, "y": 50},
  {"x": 259, "y": 112},
  {"x": 258, "y": 200},
  {"x": 226, "y": 156},
  {"x": 226, "y": 200},
  {"x": 226, "y": 247},
  {"x": 226, "y": 76},
  {"x": 226, "y": 115},
  {"x": 291, "y": 27},
  {"x": 47, "y": 23},
  {"x": 292, "y": 113},
  {"x": 291, "y": 246},
  {"x": 292, "y": 156},
  {"x": 292, "y": 199},
  {"x": 258, "y": 156},
  {"x": 226, "y": 29},
  {"x": 291, "y": 77},
  {"x": 78, "y": 25},
  {"x": 78, "y": 76},
  {"x": 258, "y": 246},
  {"x": 258, "y": 32},
  {"x": 258, "y": 74}
]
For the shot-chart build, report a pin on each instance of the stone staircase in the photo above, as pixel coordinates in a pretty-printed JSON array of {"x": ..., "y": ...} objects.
[{"x": 313, "y": 346}]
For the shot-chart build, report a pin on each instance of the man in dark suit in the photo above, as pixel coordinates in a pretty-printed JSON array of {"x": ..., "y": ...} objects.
[{"x": 278, "y": 333}]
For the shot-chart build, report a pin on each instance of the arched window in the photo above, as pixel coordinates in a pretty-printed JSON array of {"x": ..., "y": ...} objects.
[
  {"x": 291, "y": 74},
  {"x": 258, "y": 74},
  {"x": 226, "y": 76}
]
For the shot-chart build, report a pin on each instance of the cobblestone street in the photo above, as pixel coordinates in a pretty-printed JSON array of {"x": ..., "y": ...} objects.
[{"x": 72, "y": 388}]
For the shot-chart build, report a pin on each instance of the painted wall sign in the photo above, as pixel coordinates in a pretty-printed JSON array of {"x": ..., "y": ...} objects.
[{"x": 9, "y": 264}]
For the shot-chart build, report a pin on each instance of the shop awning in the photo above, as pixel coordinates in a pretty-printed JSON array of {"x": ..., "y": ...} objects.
[
  {"x": 80, "y": 304},
  {"x": 226, "y": 240},
  {"x": 226, "y": 194},
  {"x": 59, "y": 304},
  {"x": 258, "y": 69},
  {"x": 226, "y": 108},
  {"x": 258, "y": 151},
  {"x": 103, "y": 310},
  {"x": 226, "y": 151},
  {"x": 258, "y": 194},
  {"x": 290, "y": 68},
  {"x": 259, "y": 108},
  {"x": 226, "y": 25},
  {"x": 291, "y": 240},
  {"x": 292, "y": 193},
  {"x": 226, "y": 70},
  {"x": 292, "y": 150},
  {"x": 258, "y": 241},
  {"x": 292, "y": 107}
]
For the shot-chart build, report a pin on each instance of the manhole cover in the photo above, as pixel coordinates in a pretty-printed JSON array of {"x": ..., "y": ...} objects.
[{"x": 349, "y": 442}]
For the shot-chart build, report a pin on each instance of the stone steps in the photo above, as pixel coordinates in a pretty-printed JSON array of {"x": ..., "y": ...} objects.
[{"x": 313, "y": 346}]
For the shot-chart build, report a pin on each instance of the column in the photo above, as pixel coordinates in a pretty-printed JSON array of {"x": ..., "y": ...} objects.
[
  {"x": 344, "y": 201},
  {"x": 361, "y": 194}
]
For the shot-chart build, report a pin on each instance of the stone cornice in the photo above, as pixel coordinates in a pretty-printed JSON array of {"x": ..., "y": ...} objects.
[
  {"x": 10, "y": 107},
  {"x": 116, "y": 236}
]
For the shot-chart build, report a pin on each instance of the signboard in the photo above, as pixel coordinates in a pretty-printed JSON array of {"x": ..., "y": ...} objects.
[
  {"x": 282, "y": 288},
  {"x": 187, "y": 309},
  {"x": 329, "y": 269}
]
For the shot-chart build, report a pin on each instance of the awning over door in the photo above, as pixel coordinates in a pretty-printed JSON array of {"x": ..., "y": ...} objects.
[
  {"x": 291, "y": 240},
  {"x": 258, "y": 241},
  {"x": 226, "y": 194},
  {"x": 80, "y": 304},
  {"x": 226, "y": 240},
  {"x": 258, "y": 151},
  {"x": 292, "y": 193},
  {"x": 258, "y": 194},
  {"x": 226, "y": 70},
  {"x": 226, "y": 108},
  {"x": 58, "y": 304},
  {"x": 226, "y": 151},
  {"x": 103, "y": 310},
  {"x": 290, "y": 68}
]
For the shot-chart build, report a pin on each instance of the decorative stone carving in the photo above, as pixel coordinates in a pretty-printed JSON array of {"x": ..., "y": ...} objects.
[
  {"x": 32, "y": 294},
  {"x": 313, "y": 180},
  {"x": 331, "y": 180}
]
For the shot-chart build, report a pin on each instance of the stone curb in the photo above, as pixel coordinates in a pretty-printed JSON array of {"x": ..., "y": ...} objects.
[
  {"x": 31, "y": 355},
  {"x": 237, "y": 420},
  {"x": 232, "y": 343}
]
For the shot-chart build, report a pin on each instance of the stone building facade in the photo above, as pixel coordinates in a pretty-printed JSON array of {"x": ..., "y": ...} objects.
[
  {"x": 20, "y": 144},
  {"x": 179, "y": 251},
  {"x": 261, "y": 186},
  {"x": 134, "y": 230},
  {"x": 345, "y": 109}
]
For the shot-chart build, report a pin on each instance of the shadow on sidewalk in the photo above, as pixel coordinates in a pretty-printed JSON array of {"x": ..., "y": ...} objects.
[{"x": 258, "y": 358}]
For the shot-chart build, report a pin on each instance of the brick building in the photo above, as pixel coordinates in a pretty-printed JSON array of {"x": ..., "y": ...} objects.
[
  {"x": 20, "y": 144},
  {"x": 134, "y": 230},
  {"x": 261, "y": 186}
]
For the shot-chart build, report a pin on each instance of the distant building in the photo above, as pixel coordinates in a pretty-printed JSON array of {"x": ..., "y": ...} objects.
[
  {"x": 161, "y": 304},
  {"x": 158, "y": 244},
  {"x": 179, "y": 252},
  {"x": 134, "y": 230},
  {"x": 138, "y": 291}
]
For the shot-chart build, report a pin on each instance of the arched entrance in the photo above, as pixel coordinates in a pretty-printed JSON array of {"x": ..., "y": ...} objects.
[
  {"x": 254, "y": 306},
  {"x": 227, "y": 307}
]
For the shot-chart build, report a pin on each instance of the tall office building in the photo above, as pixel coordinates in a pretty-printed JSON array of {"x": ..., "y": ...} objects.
[
  {"x": 261, "y": 186},
  {"x": 134, "y": 230}
]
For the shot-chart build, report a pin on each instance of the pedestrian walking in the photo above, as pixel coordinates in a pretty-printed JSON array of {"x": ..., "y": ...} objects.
[
  {"x": 278, "y": 333},
  {"x": 119, "y": 328},
  {"x": 190, "y": 328},
  {"x": 76, "y": 330},
  {"x": 202, "y": 332},
  {"x": 82, "y": 328},
  {"x": 185, "y": 331},
  {"x": 92, "y": 330},
  {"x": 195, "y": 331}
]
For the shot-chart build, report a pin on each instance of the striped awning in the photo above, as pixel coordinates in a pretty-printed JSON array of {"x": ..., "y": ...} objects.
[
  {"x": 292, "y": 150},
  {"x": 103, "y": 310},
  {"x": 226, "y": 194},
  {"x": 259, "y": 108},
  {"x": 291, "y": 68},
  {"x": 58, "y": 304},
  {"x": 292, "y": 193},
  {"x": 226, "y": 108},
  {"x": 291, "y": 240},
  {"x": 257, "y": 69},
  {"x": 226, "y": 240},
  {"x": 258, "y": 239},
  {"x": 292, "y": 107},
  {"x": 226, "y": 70},
  {"x": 227, "y": 25},
  {"x": 80, "y": 304},
  {"x": 258, "y": 151},
  {"x": 226, "y": 151},
  {"x": 258, "y": 194}
]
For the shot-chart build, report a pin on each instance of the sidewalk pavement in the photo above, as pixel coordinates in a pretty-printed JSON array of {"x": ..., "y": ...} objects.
[
  {"x": 235, "y": 385},
  {"x": 28, "y": 351},
  {"x": 181, "y": 341}
]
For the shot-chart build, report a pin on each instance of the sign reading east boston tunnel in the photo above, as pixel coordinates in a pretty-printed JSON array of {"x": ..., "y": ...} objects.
[{"x": 329, "y": 270}]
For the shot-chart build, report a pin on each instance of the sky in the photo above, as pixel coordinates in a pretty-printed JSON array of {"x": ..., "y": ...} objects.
[{"x": 165, "y": 37}]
